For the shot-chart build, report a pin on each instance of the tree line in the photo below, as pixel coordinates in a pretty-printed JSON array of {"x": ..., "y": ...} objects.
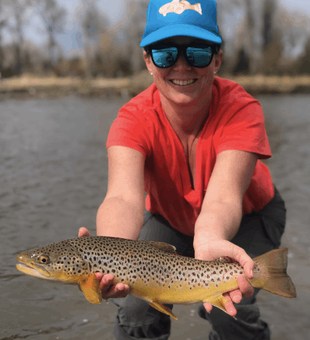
[{"x": 260, "y": 37}]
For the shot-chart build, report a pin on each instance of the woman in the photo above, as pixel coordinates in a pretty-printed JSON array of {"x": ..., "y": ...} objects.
[{"x": 191, "y": 141}]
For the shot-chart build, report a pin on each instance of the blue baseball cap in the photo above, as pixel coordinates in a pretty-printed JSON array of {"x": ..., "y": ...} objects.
[{"x": 191, "y": 18}]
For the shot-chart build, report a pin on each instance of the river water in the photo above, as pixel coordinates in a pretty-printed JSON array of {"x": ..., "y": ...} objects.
[{"x": 53, "y": 175}]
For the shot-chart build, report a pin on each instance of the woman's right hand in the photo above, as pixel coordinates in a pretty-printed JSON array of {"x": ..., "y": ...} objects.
[{"x": 108, "y": 289}]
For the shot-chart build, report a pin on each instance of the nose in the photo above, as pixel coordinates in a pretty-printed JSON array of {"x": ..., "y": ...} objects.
[{"x": 182, "y": 64}]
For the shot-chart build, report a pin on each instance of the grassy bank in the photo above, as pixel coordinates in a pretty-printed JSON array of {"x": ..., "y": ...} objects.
[{"x": 31, "y": 86}]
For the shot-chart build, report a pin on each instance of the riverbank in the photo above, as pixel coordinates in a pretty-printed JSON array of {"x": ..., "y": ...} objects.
[{"x": 49, "y": 87}]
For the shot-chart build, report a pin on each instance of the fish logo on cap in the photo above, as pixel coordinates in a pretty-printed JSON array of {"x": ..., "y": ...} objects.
[{"x": 178, "y": 7}]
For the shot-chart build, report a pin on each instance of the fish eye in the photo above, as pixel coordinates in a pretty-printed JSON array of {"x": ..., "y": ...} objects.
[{"x": 44, "y": 259}]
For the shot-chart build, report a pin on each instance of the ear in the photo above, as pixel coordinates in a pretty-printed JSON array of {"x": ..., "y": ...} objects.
[
  {"x": 148, "y": 62},
  {"x": 218, "y": 61}
]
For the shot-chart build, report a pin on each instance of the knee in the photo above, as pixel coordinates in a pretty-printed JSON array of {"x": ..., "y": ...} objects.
[
  {"x": 136, "y": 319},
  {"x": 247, "y": 311},
  {"x": 133, "y": 311}
]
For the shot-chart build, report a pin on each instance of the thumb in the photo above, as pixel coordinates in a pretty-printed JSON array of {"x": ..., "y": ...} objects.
[
  {"x": 246, "y": 262},
  {"x": 83, "y": 232}
]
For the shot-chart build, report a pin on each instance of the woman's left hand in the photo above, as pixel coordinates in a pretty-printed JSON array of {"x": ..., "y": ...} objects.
[{"x": 215, "y": 249}]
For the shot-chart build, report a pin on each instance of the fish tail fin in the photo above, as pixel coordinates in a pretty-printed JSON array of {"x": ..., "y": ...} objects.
[{"x": 272, "y": 276}]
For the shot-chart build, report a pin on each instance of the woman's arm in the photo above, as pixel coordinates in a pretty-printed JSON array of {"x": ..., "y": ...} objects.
[
  {"x": 221, "y": 214},
  {"x": 121, "y": 212}
]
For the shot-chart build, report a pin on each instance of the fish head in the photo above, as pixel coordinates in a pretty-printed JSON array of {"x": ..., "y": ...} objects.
[{"x": 58, "y": 261}]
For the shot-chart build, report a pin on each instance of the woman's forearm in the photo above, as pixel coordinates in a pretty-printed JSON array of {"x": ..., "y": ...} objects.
[
  {"x": 219, "y": 221},
  {"x": 119, "y": 218}
]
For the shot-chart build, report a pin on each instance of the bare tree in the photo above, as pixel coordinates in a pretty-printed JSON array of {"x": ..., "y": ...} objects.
[
  {"x": 242, "y": 22},
  {"x": 231, "y": 22},
  {"x": 3, "y": 23},
  {"x": 53, "y": 17},
  {"x": 134, "y": 29},
  {"x": 93, "y": 24},
  {"x": 272, "y": 38},
  {"x": 20, "y": 17},
  {"x": 295, "y": 31}
]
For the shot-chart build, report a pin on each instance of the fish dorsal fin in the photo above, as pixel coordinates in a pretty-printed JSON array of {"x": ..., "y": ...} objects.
[
  {"x": 164, "y": 246},
  {"x": 91, "y": 289}
]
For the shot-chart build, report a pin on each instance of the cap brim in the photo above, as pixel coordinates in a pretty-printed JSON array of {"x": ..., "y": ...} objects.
[{"x": 181, "y": 30}]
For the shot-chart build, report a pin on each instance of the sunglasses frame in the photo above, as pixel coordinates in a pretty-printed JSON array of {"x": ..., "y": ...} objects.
[{"x": 181, "y": 49}]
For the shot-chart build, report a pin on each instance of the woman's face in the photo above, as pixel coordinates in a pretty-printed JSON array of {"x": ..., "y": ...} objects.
[{"x": 182, "y": 83}]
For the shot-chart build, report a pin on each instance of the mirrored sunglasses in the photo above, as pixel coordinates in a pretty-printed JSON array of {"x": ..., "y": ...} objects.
[{"x": 164, "y": 56}]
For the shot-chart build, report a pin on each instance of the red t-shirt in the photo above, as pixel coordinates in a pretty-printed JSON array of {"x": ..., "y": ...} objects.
[{"x": 235, "y": 122}]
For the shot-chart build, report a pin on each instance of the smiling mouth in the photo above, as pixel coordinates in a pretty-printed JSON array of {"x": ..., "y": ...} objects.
[{"x": 183, "y": 82}]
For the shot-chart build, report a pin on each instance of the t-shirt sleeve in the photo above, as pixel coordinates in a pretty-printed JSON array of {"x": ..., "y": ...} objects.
[
  {"x": 129, "y": 130},
  {"x": 244, "y": 130}
]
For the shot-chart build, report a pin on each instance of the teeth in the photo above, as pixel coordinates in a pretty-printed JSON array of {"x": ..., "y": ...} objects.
[{"x": 183, "y": 82}]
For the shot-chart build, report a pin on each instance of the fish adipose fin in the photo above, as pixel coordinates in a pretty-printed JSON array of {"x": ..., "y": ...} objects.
[
  {"x": 91, "y": 289},
  {"x": 164, "y": 309},
  {"x": 274, "y": 278}
]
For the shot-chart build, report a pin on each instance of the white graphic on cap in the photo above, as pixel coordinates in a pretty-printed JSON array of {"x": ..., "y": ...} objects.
[{"x": 178, "y": 7}]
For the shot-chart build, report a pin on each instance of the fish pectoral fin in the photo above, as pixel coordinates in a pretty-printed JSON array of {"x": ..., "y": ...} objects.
[
  {"x": 91, "y": 289},
  {"x": 164, "y": 309},
  {"x": 219, "y": 302}
]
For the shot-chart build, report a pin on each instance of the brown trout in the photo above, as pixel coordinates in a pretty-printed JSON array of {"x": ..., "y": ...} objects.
[{"x": 153, "y": 270}]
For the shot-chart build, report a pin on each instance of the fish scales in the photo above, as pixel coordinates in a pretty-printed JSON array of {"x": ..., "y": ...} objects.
[
  {"x": 153, "y": 270},
  {"x": 144, "y": 261}
]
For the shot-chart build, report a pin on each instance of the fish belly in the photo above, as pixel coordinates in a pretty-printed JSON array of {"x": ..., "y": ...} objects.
[{"x": 181, "y": 293}]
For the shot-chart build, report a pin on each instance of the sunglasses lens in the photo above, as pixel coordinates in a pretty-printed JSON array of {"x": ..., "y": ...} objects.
[
  {"x": 165, "y": 56},
  {"x": 199, "y": 56}
]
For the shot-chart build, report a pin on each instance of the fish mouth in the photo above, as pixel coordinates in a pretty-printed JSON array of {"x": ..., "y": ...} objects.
[{"x": 31, "y": 268}]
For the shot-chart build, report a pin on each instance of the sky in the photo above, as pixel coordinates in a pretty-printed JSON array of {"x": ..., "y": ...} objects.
[{"x": 300, "y": 5}]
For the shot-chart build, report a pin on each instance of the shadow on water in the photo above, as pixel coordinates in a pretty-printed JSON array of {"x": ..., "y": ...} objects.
[{"x": 53, "y": 178}]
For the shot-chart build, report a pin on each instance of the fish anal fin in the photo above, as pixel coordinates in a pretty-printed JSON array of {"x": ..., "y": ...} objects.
[
  {"x": 218, "y": 302},
  {"x": 164, "y": 246},
  {"x": 91, "y": 289},
  {"x": 164, "y": 309}
]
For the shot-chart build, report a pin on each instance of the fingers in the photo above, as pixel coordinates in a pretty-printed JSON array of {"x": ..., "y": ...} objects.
[
  {"x": 83, "y": 232},
  {"x": 109, "y": 290},
  {"x": 208, "y": 307},
  {"x": 221, "y": 248},
  {"x": 235, "y": 295},
  {"x": 246, "y": 262},
  {"x": 229, "y": 306},
  {"x": 119, "y": 290},
  {"x": 248, "y": 268},
  {"x": 245, "y": 287},
  {"x": 238, "y": 254}
]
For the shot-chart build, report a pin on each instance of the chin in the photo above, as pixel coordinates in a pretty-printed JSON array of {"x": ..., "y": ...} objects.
[{"x": 183, "y": 99}]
